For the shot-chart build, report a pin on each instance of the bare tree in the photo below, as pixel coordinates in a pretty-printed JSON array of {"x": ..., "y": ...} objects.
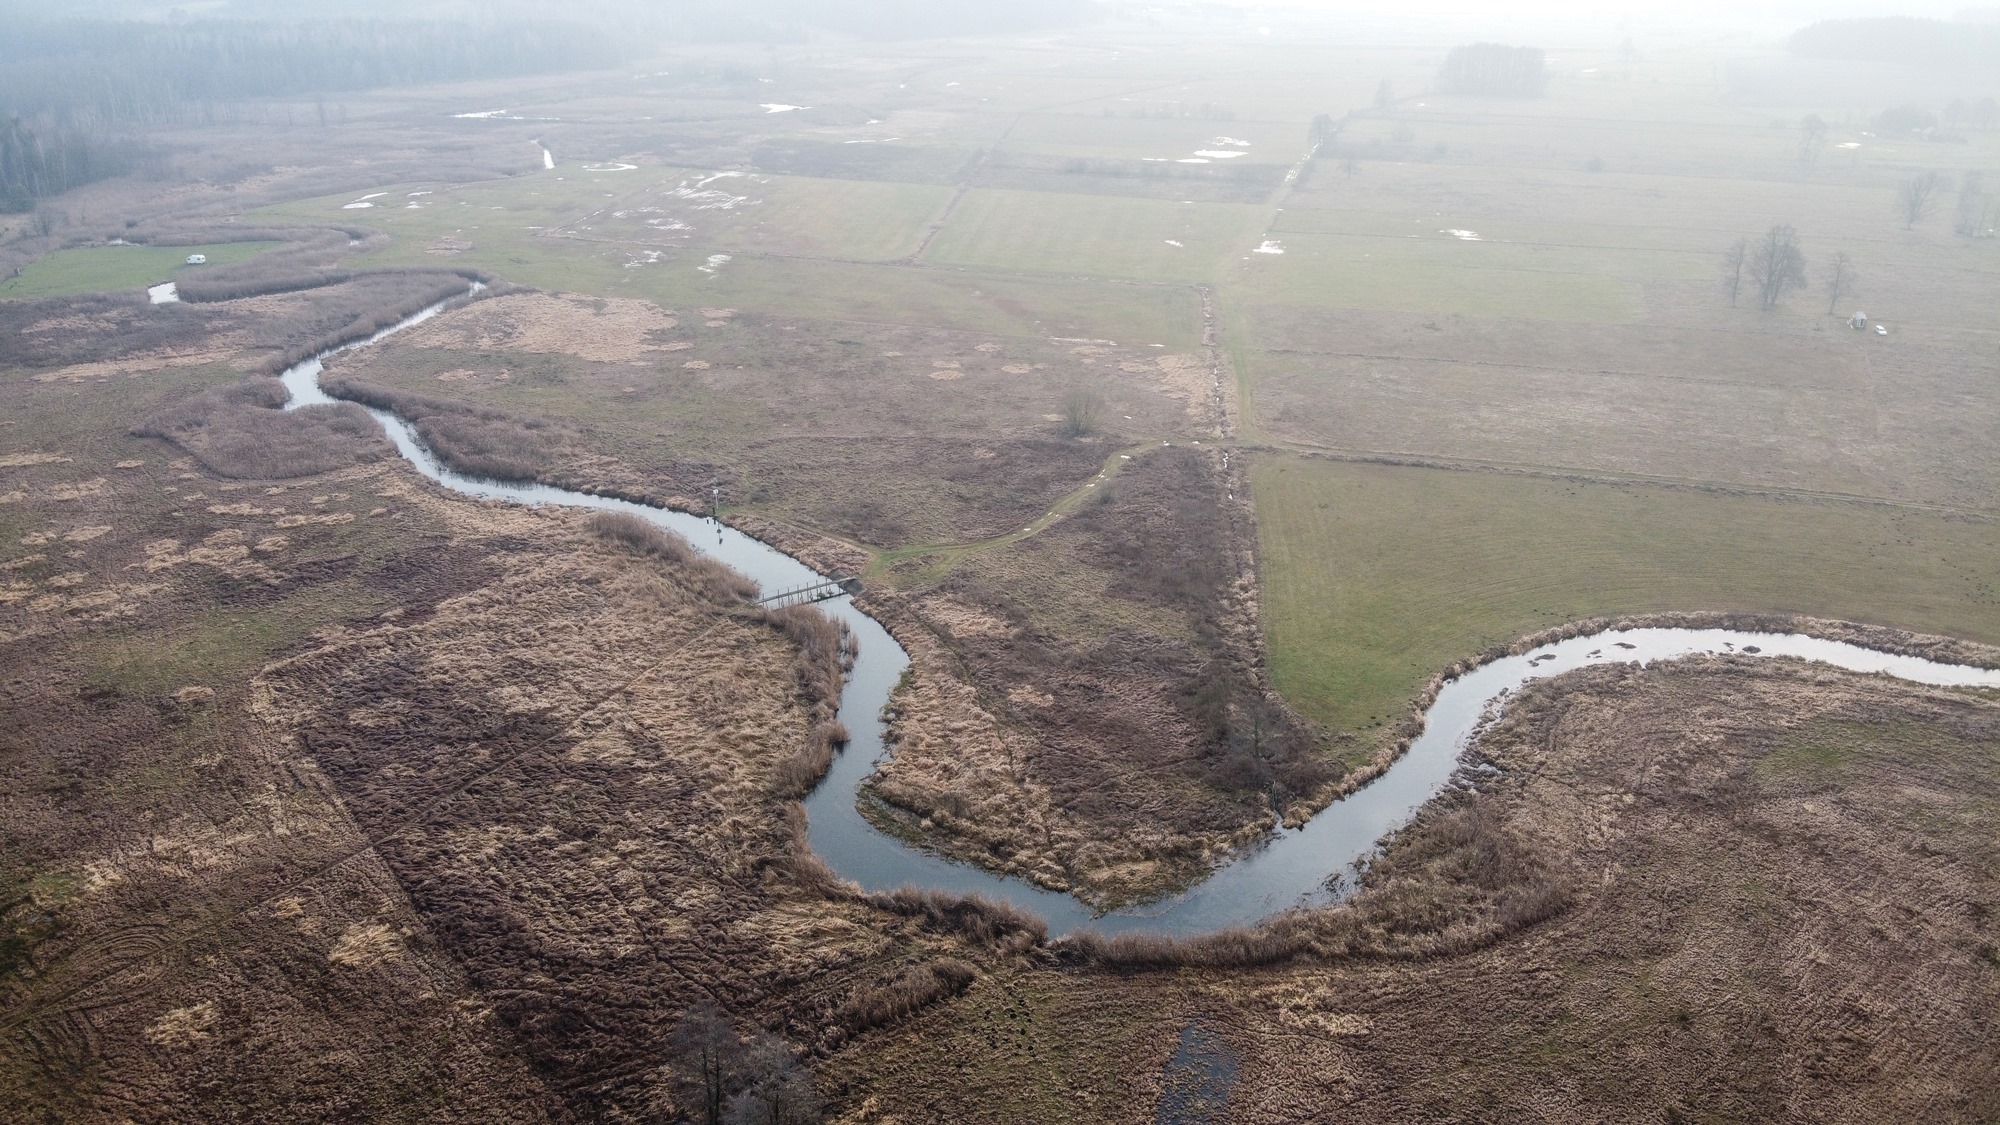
[
  {"x": 1321, "y": 130},
  {"x": 1350, "y": 161},
  {"x": 1918, "y": 197},
  {"x": 1776, "y": 266},
  {"x": 705, "y": 1049},
  {"x": 1812, "y": 137},
  {"x": 1733, "y": 260},
  {"x": 1081, "y": 410},
  {"x": 778, "y": 1091},
  {"x": 1841, "y": 281},
  {"x": 1972, "y": 206}
]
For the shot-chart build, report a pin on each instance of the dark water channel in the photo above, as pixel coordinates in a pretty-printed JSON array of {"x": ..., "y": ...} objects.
[{"x": 1307, "y": 866}]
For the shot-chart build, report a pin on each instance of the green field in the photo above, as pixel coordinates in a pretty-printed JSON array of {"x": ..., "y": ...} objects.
[
  {"x": 1375, "y": 577},
  {"x": 100, "y": 269},
  {"x": 1441, "y": 274},
  {"x": 1096, "y": 236}
]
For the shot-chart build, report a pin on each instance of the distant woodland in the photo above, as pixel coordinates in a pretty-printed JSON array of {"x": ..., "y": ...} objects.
[
  {"x": 1494, "y": 70},
  {"x": 74, "y": 94},
  {"x": 1902, "y": 39}
]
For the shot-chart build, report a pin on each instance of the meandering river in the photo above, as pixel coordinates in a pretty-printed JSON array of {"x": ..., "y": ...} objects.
[{"x": 1311, "y": 865}]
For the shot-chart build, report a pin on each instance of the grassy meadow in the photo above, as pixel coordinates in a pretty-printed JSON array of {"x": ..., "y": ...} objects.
[
  {"x": 1376, "y": 576},
  {"x": 99, "y": 269}
]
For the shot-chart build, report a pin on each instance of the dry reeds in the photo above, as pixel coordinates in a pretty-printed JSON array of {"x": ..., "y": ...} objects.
[
  {"x": 997, "y": 925},
  {"x": 823, "y": 645},
  {"x": 911, "y": 991},
  {"x": 713, "y": 579},
  {"x": 238, "y": 431},
  {"x": 800, "y": 771}
]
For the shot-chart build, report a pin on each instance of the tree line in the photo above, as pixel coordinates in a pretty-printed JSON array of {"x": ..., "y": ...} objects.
[
  {"x": 117, "y": 73},
  {"x": 1496, "y": 70},
  {"x": 42, "y": 160},
  {"x": 76, "y": 94}
]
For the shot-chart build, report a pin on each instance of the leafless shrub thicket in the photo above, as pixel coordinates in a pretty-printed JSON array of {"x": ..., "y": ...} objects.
[
  {"x": 41, "y": 334},
  {"x": 1082, "y": 411},
  {"x": 238, "y": 431},
  {"x": 722, "y": 1075}
]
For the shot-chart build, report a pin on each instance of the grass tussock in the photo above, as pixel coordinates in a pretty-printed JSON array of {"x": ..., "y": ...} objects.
[
  {"x": 715, "y": 580},
  {"x": 238, "y": 431},
  {"x": 995, "y": 925},
  {"x": 909, "y": 992}
]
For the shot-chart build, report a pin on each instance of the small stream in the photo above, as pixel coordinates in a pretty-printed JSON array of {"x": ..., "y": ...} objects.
[{"x": 1311, "y": 865}]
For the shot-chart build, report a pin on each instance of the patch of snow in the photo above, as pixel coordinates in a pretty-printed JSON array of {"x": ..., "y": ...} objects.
[
  {"x": 357, "y": 205},
  {"x": 775, "y": 107},
  {"x": 1232, "y": 142},
  {"x": 165, "y": 294},
  {"x": 1171, "y": 242},
  {"x": 612, "y": 166},
  {"x": 1270, "y": 247},
  {"x": 1191, "y": 160},
  {"x": 1219, "y": 153},
  {"x": 548, "y": 159},
  {"x": 1462, "y": 235},
  {"x": 715, "y": 262},
  {"x": 488, "y": 114},
  {"x": 418, "y": 194}
]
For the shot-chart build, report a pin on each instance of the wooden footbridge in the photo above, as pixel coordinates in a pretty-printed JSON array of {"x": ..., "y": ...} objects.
[{"x": 823, "y": 590}]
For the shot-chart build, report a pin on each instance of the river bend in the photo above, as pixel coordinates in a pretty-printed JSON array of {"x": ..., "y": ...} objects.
[{"x": 1308, "y": 866}]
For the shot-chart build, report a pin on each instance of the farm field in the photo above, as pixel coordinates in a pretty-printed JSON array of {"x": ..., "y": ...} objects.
[{"x": 1376, "y": 576}]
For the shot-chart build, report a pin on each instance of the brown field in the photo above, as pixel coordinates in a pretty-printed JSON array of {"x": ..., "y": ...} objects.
[
  {"x": 1113, "y": 733},
  {"x": 1841, "y": 970}
]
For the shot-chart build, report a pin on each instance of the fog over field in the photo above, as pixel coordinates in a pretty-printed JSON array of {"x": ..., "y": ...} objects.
[{"x": 900, "y": 561}]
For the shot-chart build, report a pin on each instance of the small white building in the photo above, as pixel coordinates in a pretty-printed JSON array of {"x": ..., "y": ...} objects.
[
  {"x": 197, "y": 259},
  {"x": 1858, "y": 320}
]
